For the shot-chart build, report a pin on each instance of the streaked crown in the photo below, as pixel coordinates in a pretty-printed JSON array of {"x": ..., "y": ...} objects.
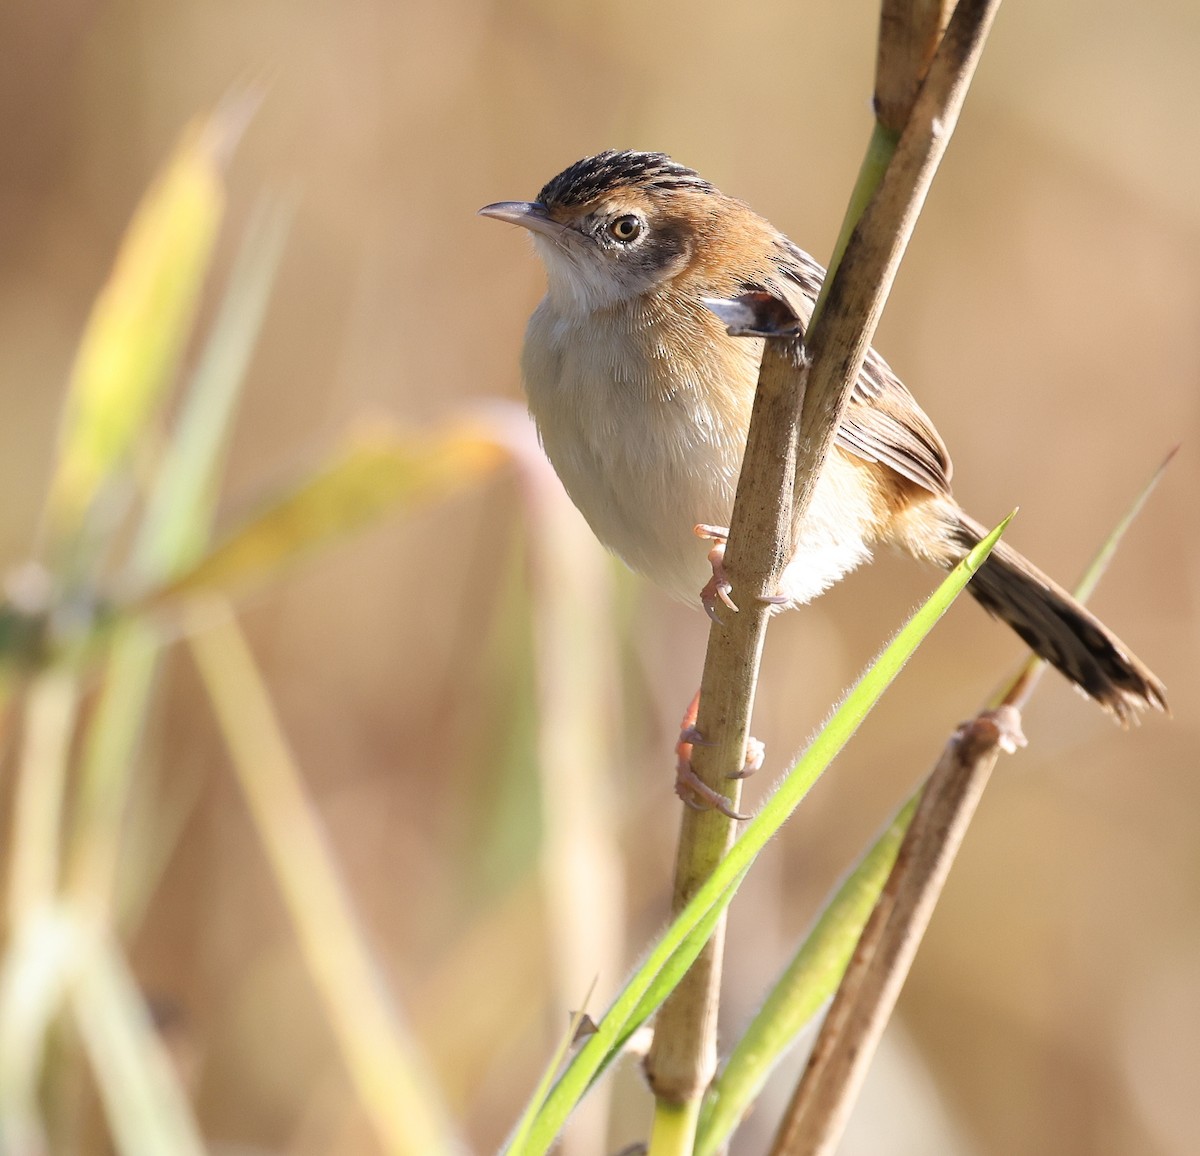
[{"x": 611, "y": 171}]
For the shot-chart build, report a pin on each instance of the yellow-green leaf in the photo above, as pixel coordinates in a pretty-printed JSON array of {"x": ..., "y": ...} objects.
[
  {"x": 182, "y": 498},
  {"x": 377, "y": 471},
  {"x": 140, "y": 321}
]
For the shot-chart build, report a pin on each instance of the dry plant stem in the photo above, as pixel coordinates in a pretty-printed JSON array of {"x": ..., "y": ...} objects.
[
  {"x": 839, "y": 336},
  {"x": 817, "y": 1115},
  {"x": 683, "y": 1058},
  {"x": 909, "y": 33}
]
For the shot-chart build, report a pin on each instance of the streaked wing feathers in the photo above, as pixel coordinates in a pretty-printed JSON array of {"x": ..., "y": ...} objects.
[{"x": 883, "y": 423}]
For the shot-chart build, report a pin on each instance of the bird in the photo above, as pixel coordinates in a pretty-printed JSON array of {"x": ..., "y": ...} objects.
[{"x": 642, "y": 400}]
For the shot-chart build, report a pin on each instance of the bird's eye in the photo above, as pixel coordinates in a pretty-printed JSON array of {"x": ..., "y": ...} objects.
[{"x": 625, "y": 229}]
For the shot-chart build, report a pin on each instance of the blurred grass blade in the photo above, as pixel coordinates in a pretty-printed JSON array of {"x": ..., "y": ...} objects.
[
  {"x": 808, "y": 981},
  {"x": 391, "y": 1083},
  {"x": 156, "y": 815},
  {"x": 36, "y": 966},
  {"x": 179, "y": 507},
  {"x": 174, "y": 530},
  {"x": 109, "y": 758},
  {"x": 139, "y": 323},
  {"x": 377, "y": 470},
  {"x": 715, "y": 894},
  {"x": 575, "y": 666},
  {"x": 33, "y": 857},
  {"x": 147, "y": 1109}
]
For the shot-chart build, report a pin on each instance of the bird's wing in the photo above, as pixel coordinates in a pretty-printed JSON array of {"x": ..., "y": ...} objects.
[{"x": 882, "y": 422}]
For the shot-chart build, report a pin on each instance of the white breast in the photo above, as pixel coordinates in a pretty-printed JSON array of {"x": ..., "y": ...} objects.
[{"x": 647, "y": 447}]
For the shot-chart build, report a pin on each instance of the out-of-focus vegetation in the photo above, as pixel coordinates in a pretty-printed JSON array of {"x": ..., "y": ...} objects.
[
  {"x": 1053, "y": 1006},
  {"x": 89, "y": 621}
]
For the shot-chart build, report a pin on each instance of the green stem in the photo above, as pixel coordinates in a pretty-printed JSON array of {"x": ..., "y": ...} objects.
[
  {"x": 880, "y": 148},
  {"x": 674, "y": 1128}
]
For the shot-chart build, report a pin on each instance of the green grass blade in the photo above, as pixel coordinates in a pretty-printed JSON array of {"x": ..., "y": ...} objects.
[
  {"x": 677, "y": 966},
  {"x": 520, "y": 1135},
  {"x": 717, "y": 891},
  {"x": 809, "y": 980},
  {"x": 1104, "y": 556},
  {"x": 138, "y": 325},
  {"x": 179, "y": 508},
  {"x": 662, "y": 984}
]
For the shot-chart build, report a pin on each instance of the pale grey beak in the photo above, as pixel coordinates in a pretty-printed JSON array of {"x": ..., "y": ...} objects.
[{"x": 531, "y": 215}]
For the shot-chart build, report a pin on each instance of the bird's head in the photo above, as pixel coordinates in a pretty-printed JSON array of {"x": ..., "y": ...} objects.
[{"x": 615, "y": 226}]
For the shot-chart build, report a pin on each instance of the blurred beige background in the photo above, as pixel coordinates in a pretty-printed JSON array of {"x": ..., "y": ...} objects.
[{"x": 1047, "y": 319}]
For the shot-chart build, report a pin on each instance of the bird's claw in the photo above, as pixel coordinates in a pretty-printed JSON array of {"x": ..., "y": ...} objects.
[
  {"x": 718, "y": 587},
  {"x": 698, "y": 795},
  {"x": 693, "y": 790}
]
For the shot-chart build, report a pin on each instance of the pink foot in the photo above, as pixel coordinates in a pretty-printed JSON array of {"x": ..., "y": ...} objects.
[
  {"x": 696, "y": 793},
  {"x": 718, "y": 587}
]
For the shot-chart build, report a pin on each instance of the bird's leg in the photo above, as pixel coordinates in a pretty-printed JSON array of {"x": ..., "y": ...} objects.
[
  {"x": 696, "y": 793},
  {"x": 718, "y": 586}
]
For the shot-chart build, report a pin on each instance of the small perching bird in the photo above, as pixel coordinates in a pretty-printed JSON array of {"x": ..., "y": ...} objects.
[{"x": 642, "y": 401}]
